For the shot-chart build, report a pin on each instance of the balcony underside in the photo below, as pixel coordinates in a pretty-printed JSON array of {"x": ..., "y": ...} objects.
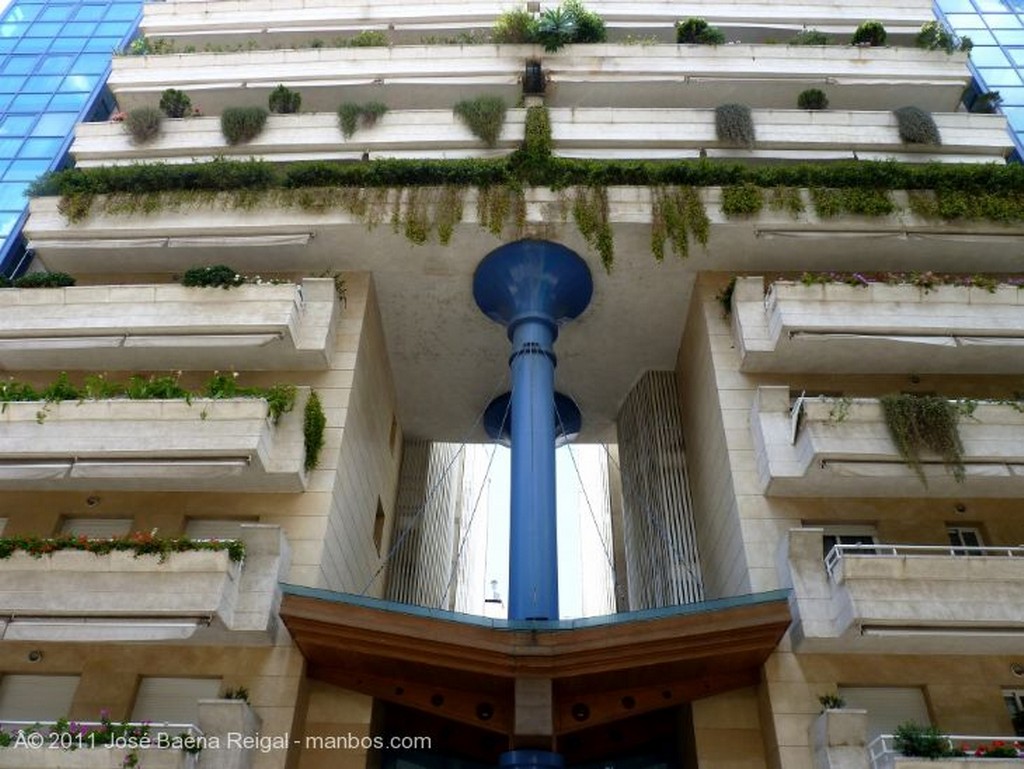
[
  {"x": 582, "y": 76},
  {"x": 454, "y": 665},
  {"x": 425, "y": 291}
]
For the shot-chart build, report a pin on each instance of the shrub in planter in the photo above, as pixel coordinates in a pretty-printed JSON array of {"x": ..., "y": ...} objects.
[
  {"x": 912, "y": 739},
  {"x": 812, "y": 99},
  {"x": 143, "y": 124},
  {"x": 589, "y": 26},
  {"x": 175, "y": 103},
  {"x": 212, "y": 276},
  {"x": 556, "y": 28},
  {"x": 985, "y": 103},
  {"x": 809, "y": 37},
  {"x": 916, "y": 126},
  {"x": 242, "y": 124},
  {"x": 515, "y": 27},
  {"x": 38, "y": 280},
  {"x": 698, "y": 32},
  {"x": 368, "y": 38},
  {"x": 284, "y": 101},
  {"x": 870, "y": 33},
  {"x": 734, "y": 125},
  {"x": 935, "y": 37},
  {"x": 351, "y": 115},
  {"x": 484, "y": 116}
]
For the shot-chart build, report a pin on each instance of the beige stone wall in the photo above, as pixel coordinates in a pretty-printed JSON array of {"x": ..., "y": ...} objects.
[
  {"x": 727, "y": 731},
  {"x": 329, "y": 528},
  {"x": 963, "y": 692},
  {"x": 332, "y": 715},
  {"x": 709, "y": 461}
]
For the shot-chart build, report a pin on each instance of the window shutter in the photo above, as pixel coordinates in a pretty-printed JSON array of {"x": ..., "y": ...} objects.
[
  {"x": 214, "y": 528},
  {"x": 887, "y": 707},
  {"x": 97, "y": 528},
  {"x": 36, "y": 698},
  {"x": 173, "y": 700}
]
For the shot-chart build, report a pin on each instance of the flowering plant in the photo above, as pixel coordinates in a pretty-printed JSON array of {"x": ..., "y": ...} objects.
[
  {"x": 998, "y": 749},
  {"x": 926, "y": 281},
  {"x": 140, "y": 543}
]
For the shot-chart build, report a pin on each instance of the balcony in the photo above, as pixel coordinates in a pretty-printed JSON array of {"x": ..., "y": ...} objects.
[
  {"x": 905, "y": 598},
  {"x": 782, "y": 134},
  {"x": 283, "y": 24},
  {"x": 198, "y": 596},
  {"x": 227, "y": 731},
  {"x": 645, "y": 134},
  {"x": 250, "y": 327},
  {"x": 228, "y": 444},
  {"x": 878, "y": 328},
  {"x": 616, "y": 76},
  {"x": 830, "y": 447},
  {"x": 422, "y": 134}
]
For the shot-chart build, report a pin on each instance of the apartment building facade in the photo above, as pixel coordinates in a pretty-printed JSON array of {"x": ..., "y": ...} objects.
[{"x": 773, "y": 544}]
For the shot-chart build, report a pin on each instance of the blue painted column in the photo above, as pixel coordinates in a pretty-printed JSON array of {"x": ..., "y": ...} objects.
[{"x": 532, "y": 287}]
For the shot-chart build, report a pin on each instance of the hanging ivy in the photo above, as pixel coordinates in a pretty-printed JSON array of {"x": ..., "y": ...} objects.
[{"x": 919, "y": 423}]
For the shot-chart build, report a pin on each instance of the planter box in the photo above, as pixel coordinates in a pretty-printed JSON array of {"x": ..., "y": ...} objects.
[
  {"x": 422, "y": 134},
  {"x": 169, "y": 326},
  {"x": 92, "y": 758},
  {"x": 835, "y": 328},
  {"x": 152, "y": 445},
  {"x": 63, "y": 591},
  {"x": 825, "y": 447}
]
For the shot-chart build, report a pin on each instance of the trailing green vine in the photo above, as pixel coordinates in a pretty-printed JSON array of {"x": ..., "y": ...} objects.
[
  {"x": 677, "y": 215},
  {"x": 421, "y": 197},
  {"x": 314, "y": 423},
  {"x": 925, "y": 423}
]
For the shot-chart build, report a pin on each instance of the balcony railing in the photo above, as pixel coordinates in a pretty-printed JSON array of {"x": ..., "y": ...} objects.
[
  {"x": 877, "y": 328},
  {"x": 191, "y": 596},
  {"x": 884, "y": 755},
  {"x": 842, "y": 447},
  {"x": 914, "y": 598},
  {"x": 138, "y": 327}
]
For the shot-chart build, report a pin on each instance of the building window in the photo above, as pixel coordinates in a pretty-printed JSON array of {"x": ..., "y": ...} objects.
[
  {"x": 96, "y": 528},
  {"x": 887, "y": 706},
  {"x": 961, "y": 537},
  {"x": 847, "y": 535},
  {"x": 36, "y": 698},
  {"x": 1014, "y": 699},
  {"x": 173, "y": 700},
  {"x": 378, "y": 526}
]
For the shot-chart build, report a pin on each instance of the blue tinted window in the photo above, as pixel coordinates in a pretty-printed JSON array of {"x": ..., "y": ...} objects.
[
  {"x": 965, "y": 20},
  {"x": 80, "y": 28},
  {"x": 45, "y": 29},
  {"x": 42, "y": 83},
  {"x": 55, "y": 65},
  {"x": 26, "y": 170},
  {"x": 30, "y": 102},
  {"x": 80, "y": 83},
  {"x": 12, "y": 195},
  {"x": 90, "y": 64},
  {"x": 6, "y": 45},
  {"x": 90, "y": 13},
  {"x": 1010, "y": 36},
  {"x": 105, "y": 44},
  {"x": 7, "y": 221},
  {"x": 1012, "y": 96},
  {"x": 55, "y": 124},
  {"x": 5, "y": 100},
  {"x": 40, "y": 148},
  {"x": 123, "y": 11},
  {"x": 16, "y": 125},
  {"x": 19, "y": 65},
  {"x": 69, "y": 101},
  {"x": 56, "y": 13},
  {"x": 1000, "y": 78},
  {"x": 988, "y": 56},
  {"x": 32, "y": 45},
  {"x": 1002, "y": 21},
  {"x": 12, "y": 29},
  {"x": 67, "y": 45},
  {"x": 23, "y": 12},
  {"x": 9, "y": 147}
]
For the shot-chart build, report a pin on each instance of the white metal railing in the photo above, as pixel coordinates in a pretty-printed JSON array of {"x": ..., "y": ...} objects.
[
  {"x": 882, "y": 750},
  {"x": 835, "y": 555}
]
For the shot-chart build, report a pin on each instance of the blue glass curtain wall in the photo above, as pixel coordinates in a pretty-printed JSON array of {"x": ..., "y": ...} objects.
[{"x": 54, "y": 62}]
